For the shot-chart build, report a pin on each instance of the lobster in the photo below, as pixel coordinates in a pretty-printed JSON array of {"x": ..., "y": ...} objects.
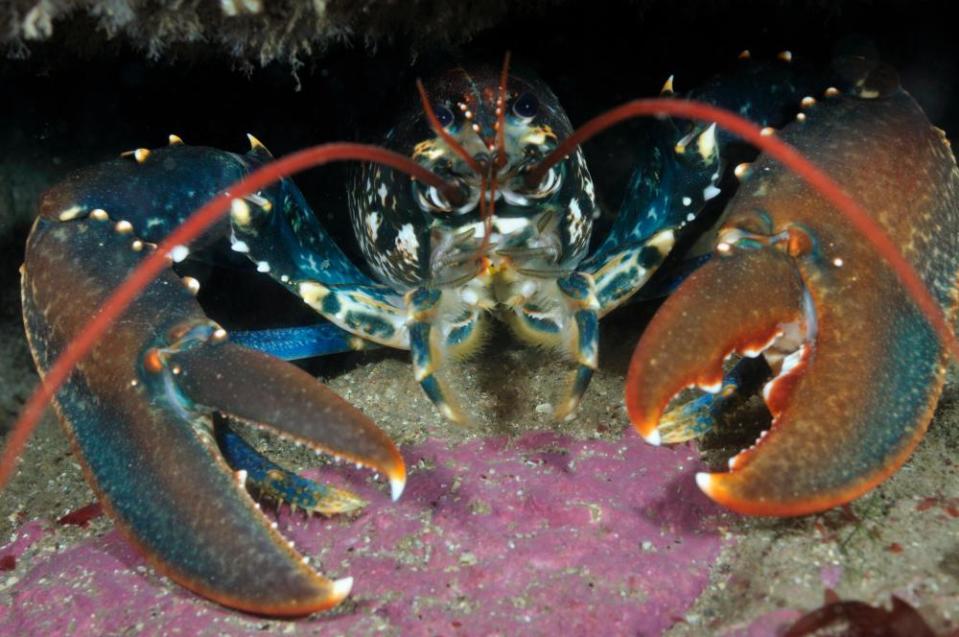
[{"x": 497, "y": 217}]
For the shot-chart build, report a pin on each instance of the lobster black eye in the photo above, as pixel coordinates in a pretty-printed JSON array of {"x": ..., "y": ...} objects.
[
  {"x": 526, "y": 106},
  {"x": 444, "y": 115}
]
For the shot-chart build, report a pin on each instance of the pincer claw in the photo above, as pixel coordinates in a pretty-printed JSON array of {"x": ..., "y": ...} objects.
[
  {"x": 858, "y": 367},
  {"x": 271, "y": 394},
  {"x": 138, "y": 411},
  {"x": 254, "y": 388},
  {"x": 839, "y": 425}
]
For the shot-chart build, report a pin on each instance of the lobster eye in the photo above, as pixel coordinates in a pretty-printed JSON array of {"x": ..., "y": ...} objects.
[
  {"x": 443, "y": 114},
  {"x": 526, "y": 106}
]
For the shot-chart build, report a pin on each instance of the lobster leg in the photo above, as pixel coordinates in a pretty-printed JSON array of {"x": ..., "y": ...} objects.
[
  {"x": 668, "y": 192},
  {"x": 296, "y": 343},
  {"x": 579, "y": 296},
  {"x": 561, "y": 314},
  {"x": 138, "y": 411},
  {"x": 282, "y": 236},
  {"x": 441, "y": 327}
]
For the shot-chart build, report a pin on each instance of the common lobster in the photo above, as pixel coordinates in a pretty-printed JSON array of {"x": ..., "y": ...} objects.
[{"x": 500, "y": 220}]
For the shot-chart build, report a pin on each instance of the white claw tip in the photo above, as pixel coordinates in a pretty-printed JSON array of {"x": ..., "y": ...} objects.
[
  {"x": 396, "y": 488},
  {"x": 342, "y": 588},
  {"x": 654, "y": 438},
  {"x": 703, "y": 480}
]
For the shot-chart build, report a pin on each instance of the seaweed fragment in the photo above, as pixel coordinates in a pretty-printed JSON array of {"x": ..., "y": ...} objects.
[
  {"x": 859, "y": 619},
  {"x": 82, "y": 516}
]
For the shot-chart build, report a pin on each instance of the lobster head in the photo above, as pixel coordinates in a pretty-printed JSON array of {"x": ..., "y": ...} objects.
[{"x": 487, "y": 136}]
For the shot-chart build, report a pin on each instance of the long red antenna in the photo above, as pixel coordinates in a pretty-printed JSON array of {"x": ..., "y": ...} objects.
[
  {"x": 158, "y": 261},
  {"x": 789, "y": 157}
]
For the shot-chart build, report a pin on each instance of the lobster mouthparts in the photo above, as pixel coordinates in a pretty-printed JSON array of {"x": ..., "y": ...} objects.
[{"x": 857, "y": 367}]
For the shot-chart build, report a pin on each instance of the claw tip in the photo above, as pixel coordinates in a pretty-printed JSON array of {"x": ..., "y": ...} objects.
[
  {"x": 342, "y": 588},
  {"x": 396, "y": 488},
  {"x": 653, "y": 438},
  {"x": 704, "y": 481}
]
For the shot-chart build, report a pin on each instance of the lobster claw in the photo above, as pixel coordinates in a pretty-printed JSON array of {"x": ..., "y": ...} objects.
[
  {"x": 858, "y": 372},
  {"x": 226, "y": 549},
  {"x": 138, "y": 412},
  {"x": 162, "y": 478},
  {"x": 272, "y": 394}
]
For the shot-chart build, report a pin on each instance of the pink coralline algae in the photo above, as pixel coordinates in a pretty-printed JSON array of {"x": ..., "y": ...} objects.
[{"x": 541, "y": 534}]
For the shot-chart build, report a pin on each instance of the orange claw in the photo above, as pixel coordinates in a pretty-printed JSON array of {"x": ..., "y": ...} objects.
[{"x": 867, "y": 367}]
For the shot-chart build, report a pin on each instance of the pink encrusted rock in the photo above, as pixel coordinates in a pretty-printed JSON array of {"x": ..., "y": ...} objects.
[
  {"x": 539, "y": 534},
  {"x": 27, "y": 535}
]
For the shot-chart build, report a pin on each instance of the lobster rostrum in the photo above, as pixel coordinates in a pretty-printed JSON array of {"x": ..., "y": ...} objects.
[{"x": 497, "y": 218}]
